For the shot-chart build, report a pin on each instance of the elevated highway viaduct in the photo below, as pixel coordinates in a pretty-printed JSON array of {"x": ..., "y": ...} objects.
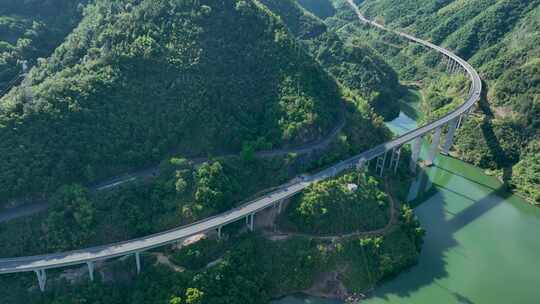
[{"x": 392, "y": 149}]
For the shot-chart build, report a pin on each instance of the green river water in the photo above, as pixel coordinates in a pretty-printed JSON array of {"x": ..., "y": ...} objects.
[{"x": 482, "y": 243}]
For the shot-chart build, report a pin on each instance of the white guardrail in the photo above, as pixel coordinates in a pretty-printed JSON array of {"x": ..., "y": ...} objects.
[{"x": 89, "y": 255}]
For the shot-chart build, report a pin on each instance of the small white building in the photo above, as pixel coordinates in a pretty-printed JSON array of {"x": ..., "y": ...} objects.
[{"x": 352, "y": 187}]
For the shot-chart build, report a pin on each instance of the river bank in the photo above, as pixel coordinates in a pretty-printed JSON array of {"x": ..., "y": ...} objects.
[{"x": 479, "y": 247}]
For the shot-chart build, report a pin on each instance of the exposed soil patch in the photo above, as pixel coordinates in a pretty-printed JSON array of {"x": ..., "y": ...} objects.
[{"x": 162, "y": 259}]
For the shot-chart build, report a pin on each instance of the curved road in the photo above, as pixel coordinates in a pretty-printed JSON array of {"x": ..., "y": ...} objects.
[
  {"x": 34, "y": 206},
  {"x": 88, "y": 255}
]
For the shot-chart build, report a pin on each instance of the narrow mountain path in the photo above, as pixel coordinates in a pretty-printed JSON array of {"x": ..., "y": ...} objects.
[{"x": 33, "y": 206}]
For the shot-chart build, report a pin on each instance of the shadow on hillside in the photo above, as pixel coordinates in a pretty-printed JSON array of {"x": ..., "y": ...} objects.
[
  {"x": 501, "y": 158},
  {"x": 441, "y": 225}
]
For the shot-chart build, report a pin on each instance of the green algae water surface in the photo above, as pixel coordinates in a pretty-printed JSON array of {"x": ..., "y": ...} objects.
[{"x": 482, "y": 243}]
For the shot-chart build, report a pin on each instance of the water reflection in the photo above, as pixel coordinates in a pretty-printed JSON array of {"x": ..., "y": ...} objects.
[{"x": 419, "y": 186}]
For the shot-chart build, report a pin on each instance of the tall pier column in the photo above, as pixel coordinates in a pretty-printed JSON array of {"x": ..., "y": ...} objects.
[
  {"x": 416, "y": 147},
  {"x": 394, "y": 161},
  {"x": 460, "y": 120},
  {"x": 434, "y": 146},
  {"x": 457, "y": 68},
  {"x": 91, "y": 270},
  {"x": 42, "y": 278},
  {"x": 360, "y": 165},
  {"x": 219, "y": 232},
  {"x": 381, "y": 160},
  {"x": 138, "y": 261},
  {"x": 452, "y": 125},
  {"x": 249, "y": 221}
]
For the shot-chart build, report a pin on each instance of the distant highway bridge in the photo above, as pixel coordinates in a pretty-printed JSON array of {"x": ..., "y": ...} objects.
[{"x": 39, "y": 264}]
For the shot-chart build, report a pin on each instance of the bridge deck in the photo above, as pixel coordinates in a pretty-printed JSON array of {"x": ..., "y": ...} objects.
[{"x": 81, "y": 256}]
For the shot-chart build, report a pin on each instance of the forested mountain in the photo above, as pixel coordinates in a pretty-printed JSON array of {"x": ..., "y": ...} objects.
[
  {"x": 137, "y": 79},
  {"x": 30, "y": 30},
  {"x": 140, "y": 80},
  {"x": 501, "y": 39},
  {"x": 356, "y": 67}
]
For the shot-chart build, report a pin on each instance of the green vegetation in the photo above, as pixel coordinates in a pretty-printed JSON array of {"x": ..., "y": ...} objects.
[
  {"x": 357, "y": 67},
  {"x": 71, "y": 219},
  {"x": 182, "y": 194},
  {"x": 500, "y": 38},
  {"x": 139, "y": 80},
  {"x": 330, "y": 207},
  {"x": 200, "y": 254},
  {"x": 320, "y": 8},
  {"x": 30, "y": 30},
  {"x": 443, "y": 95},
  {"x": 526, "y": 174},
  {"x": 252, "y": 269},
  {"x": 135, "y": 80}
]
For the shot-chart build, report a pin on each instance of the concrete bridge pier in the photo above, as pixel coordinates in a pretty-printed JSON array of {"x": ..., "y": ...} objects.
[
  {"x": 454, "y": 67},
  {"x": 460, "y": 120},
  {"x": 219, "y": 232},
  {"x": 434, "y": 146},
  {"x": 394, "y": 160},
  {"x": 360, "y": 165},
  {"x": 91, "y": 267},
  {"x": 381, "y": 160},
  {"x": 250, "y": 219},
  {"x": 138, "y": 261},
  {"x": 42, "y": 278},
  {"x": 464, "y": 116},
  {"x": 416, "y": 147},
  {"x": 452, "y": 126}
]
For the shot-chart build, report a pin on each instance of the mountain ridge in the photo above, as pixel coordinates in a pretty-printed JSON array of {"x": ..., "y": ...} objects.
[{"x": 139, "y": 74}]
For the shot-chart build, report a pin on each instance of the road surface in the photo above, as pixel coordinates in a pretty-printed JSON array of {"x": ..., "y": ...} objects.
[{"x": 56, "y": 260}]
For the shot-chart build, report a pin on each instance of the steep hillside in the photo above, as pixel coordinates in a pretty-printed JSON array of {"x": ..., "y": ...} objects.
[
  {"x": 356, "y": 67},
  {"x": 30, "y": 30},
  {"x": 501, "y": 38},
  {"x": 321, "y": 8},
  {"x": 137, "y": 79}
]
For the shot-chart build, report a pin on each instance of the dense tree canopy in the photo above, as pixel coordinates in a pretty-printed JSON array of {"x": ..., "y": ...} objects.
[
  {"x": 138, "y": 78},
  {"x": 526, "y": 173},
  {"x": 30, "y": 30},
  {"x": 355, "y": 66},
  {"x": 71, "y": 219},
  {"x": 500, "y": 38},
  {"x": 332, "y": 207}
]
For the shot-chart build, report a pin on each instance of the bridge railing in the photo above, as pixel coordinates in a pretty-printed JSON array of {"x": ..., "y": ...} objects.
[{"x": 39, "y": 263}]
